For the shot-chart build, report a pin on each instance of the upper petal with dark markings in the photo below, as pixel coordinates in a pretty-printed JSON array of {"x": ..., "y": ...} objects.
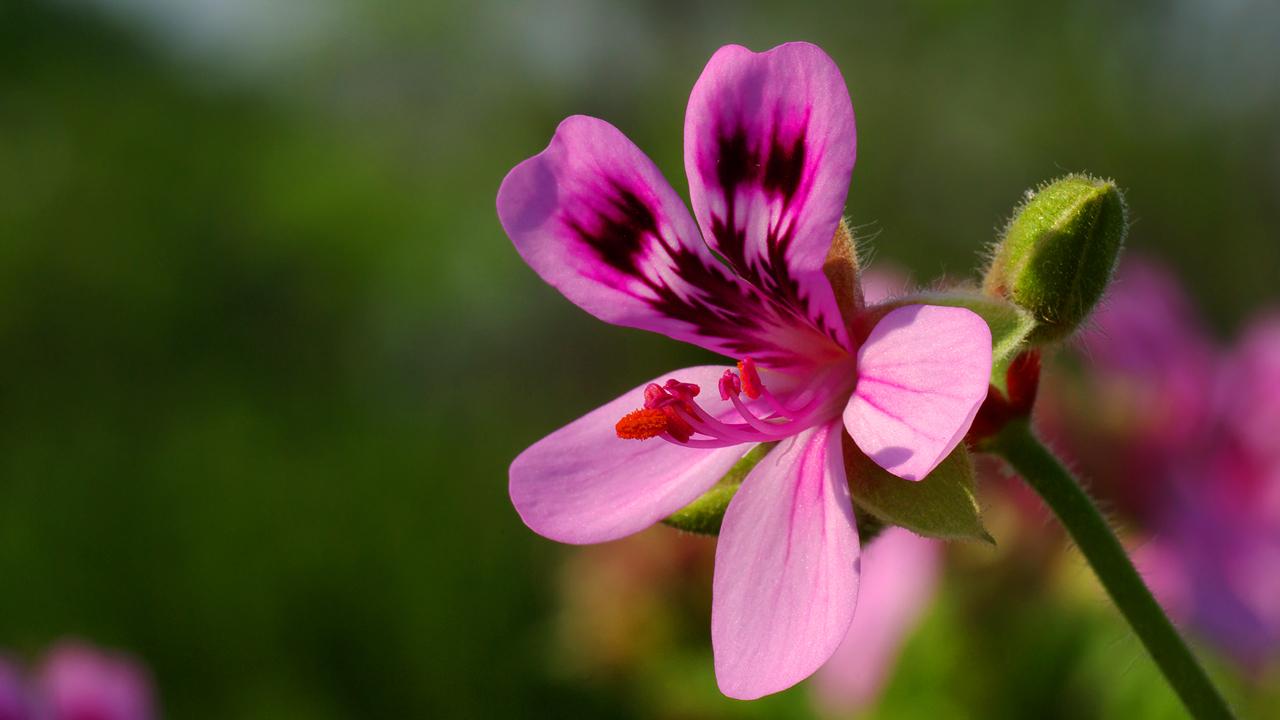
[
  {"x": 594, "y": 217},
  {"x": 769, "y": 148}
]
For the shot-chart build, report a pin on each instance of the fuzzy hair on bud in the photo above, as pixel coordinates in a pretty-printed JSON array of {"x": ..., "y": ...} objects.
[{"x": 1058, "y": 253}]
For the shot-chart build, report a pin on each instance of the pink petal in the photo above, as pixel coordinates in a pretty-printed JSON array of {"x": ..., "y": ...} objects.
[
  {"x": 582, "y": 484},
  {"x": 786, "y": 575},
  {"x": 899, "y": 573},
  {"x": 593, "y": 216},
  {"x": 922, "y": 373},
  {"x": 769, "y": 144}
]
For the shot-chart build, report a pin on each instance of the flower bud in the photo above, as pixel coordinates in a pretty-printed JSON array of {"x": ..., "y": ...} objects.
[{"x": 1058, "y": 253}]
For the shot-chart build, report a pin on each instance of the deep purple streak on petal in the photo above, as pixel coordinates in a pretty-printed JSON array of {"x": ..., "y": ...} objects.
[
  {"x": 582, "y": 484},
  {"x": 930, "y": 368},
  {"x": 769, "y": 149},
  {"x": 595, "y": 219},
  {"x": 786, "y": 568}
]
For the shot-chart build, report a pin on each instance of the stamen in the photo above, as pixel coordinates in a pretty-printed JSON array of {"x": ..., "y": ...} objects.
[
  {"x": 730, "y": 385},
  {"x": 671, "y": 413},
  {"x": 642, "y": 424},
  {"x": 751, "y": 384},
  {"x": 684, "y": 391},
  {"x": 752, "y": 420}
]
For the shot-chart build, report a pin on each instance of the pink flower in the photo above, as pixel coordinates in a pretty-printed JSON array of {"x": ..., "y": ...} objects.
[
  {"x": 900, "y": 571},
  {"x": 15, "y": 696},
  {"x": 1151, "y": 354},
  {"x": 79, "y": 682},
  {"x": 1252, "y": 400},
  {"x": 1148, "y": 391},
  {"x": 1217, "y": 546},
  {"x": 769, "y": 148},
  {"x": 1184, "y": 433}
]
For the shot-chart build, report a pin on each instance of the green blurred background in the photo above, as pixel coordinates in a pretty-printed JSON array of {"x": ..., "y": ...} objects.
[{"x": 265, "y": 352}]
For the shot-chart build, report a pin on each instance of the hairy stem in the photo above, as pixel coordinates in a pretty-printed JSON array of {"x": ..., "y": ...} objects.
[{"x": 1019, "y": 446}]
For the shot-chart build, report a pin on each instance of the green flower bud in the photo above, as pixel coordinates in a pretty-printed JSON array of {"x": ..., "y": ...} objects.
[{"x": 1058, "y": 253}]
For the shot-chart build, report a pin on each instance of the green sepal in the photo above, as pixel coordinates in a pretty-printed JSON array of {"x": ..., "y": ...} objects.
[
  {"x": 1011, "y": 326},
  {"x": 942, "y": 505},
  {"x": 704, "y": 515}
]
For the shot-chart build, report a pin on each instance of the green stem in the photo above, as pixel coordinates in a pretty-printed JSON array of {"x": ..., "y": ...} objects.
[{"x": 1018, "y": 445}]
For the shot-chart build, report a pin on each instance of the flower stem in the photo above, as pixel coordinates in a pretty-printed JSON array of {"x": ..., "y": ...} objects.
[{"x": 1037, "y": 465}]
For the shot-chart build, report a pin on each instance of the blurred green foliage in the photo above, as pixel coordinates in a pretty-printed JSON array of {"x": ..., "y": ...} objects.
[{"x": 265, "y": 353}]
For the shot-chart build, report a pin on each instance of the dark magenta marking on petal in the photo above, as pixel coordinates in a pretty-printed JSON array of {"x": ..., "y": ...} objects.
[
  {"x": 779, "y": 172},
  {"x": 618, "y": 236},
  {"x": 618, "y": 227},
  {"x": 785, "y": 166},
  {"x": 736, "y": 162}
]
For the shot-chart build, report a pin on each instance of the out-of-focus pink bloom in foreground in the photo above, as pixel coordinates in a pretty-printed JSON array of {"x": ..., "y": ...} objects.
[
  {"x": 79, "y": 682},
  {"x": 900, "y": 572},
  {"x": 15, "y": 700},
  {"x": 1203, "y": 444},
  {"x": 769, "y": 148}
]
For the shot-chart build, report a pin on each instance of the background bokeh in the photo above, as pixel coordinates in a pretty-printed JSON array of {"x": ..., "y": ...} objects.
[{"x": 265, "y": 352}]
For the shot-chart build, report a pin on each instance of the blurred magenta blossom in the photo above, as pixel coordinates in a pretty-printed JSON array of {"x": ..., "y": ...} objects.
[
  {"x": 15, "y": 696},
  {"x": 1185, "y": 433},
  {"x": 769, "y": 148},
  {"x": 900, "y": 572},
  {"x": 76, "y": 681}
]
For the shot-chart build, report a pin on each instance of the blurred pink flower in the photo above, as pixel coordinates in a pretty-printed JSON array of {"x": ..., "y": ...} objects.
[
  {"x": 15, "y": 696},
  {"x": 900, "y": 572},
  {"x": 76, "y": 681},
  {"x": 1149, "y": 369},
  {"x": 1216, "y": 551},
  {"x": 769, "y": 148},
  {"x": 1252, "y": 401},
  {"x": 80, "y": 682},
  {"x": 1186, "y": 436},
  {"x": 1147, "y": 344},
  {"x": 1216, "y": 571}
]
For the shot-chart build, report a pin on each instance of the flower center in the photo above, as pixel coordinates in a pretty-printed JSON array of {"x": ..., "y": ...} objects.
[{"x": 671, "y": 413}]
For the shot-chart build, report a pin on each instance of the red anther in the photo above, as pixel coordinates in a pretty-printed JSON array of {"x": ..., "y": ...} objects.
[
  {"x": 667, "y": 402},
  {"x": 682, "y": 390},
  {"x": 655, "y": 396},
  {"x": 677, "y": 426},
  {"x": 643, "y": 424},
  {"x": 751, "y": 384},
  {"x": 730, "y": 385}
]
